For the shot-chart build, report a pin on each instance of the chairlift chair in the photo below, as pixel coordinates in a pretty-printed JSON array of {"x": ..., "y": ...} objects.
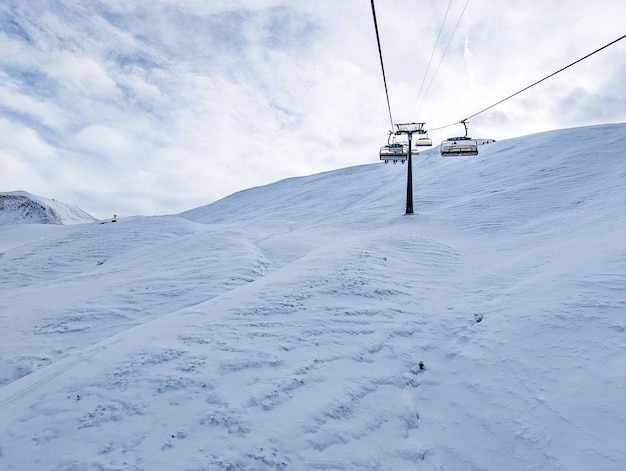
[
  {"x": 398, "y": 151},
  {"x": 394, "y": 151},
  {"x": 415, "y": 128},
  {"x": 423, "y": 142},
  {"x": 459, "y": 146}
]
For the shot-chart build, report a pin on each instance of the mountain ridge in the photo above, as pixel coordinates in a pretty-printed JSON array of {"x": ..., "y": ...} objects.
[{"x": 21, "y": 207}]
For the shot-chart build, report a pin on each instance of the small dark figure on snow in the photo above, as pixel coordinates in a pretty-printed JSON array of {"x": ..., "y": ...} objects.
[{"x": 421, "y": 365}]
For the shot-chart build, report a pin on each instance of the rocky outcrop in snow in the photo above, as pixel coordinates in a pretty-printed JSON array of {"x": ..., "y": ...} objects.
[{"x": 20, "y": 207}]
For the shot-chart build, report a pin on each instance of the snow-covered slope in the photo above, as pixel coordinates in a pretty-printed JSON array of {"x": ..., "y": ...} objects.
[
  {"x": 283, "y": 327},
  {"x": 20, "y": 207}
]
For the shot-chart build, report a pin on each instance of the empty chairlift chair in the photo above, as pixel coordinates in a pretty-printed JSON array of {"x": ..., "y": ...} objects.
[
  {"x": 394, "y": 151},
  {"x": 459, "y": 146},
  {"x": 418, "y": 144},
  {"x": 422, "y": 142},
  {"x": 398, "y": 151}
]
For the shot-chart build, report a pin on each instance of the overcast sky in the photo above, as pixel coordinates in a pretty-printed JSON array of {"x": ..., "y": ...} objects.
[{"x": 134, "y": 107}]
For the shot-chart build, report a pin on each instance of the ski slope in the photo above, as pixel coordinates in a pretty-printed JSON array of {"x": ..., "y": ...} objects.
[{"x": 283, "y": 327}]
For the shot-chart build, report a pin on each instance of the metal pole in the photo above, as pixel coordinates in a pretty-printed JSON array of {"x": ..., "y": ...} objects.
[{"x": 409, "y": 182}]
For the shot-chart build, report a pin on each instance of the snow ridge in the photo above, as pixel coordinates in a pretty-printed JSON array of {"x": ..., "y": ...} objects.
[{"x": 20, "y": 207}]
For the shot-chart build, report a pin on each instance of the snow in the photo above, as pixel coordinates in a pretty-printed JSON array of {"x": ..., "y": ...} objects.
[
  {"x": 21, "y": 207},
  {"x": 282, "y": 327}
]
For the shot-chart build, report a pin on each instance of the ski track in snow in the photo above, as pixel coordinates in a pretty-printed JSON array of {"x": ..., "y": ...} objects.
[{"x": 287, "y": 334}]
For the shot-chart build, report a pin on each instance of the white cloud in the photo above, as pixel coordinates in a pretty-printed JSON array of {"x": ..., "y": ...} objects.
[
  {"x": 103, "y": 140},
  {"x": 84, "y": 75},
  {"x": 16, "y": 101},
  {"x": 22, "y": 141},
  {"x": 144, "y": 90},
  {"x": 28, "y": 162},
  {"x": 17, "y": 173},
  {"x": 202, "y": 7}
]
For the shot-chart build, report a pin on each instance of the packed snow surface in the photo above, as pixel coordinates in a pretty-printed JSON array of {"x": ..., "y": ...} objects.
[{"x": 283, "y": 327}]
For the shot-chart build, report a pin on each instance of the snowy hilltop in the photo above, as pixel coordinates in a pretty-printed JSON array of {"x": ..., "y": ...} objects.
[
  {"x": 20, "y": 207},
  {"x": 309, "y": 324}
]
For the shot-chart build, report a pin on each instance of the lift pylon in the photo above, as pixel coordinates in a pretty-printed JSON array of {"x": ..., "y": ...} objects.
[{"x": 409, "y": 129}]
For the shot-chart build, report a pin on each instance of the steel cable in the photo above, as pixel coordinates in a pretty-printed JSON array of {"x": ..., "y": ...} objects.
[{"x": 382, "y": 66}]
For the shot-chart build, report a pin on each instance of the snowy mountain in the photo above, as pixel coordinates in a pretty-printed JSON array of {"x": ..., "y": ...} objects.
[
  {"x": 20, "y": 207},
  {"x": 283, "y": 327}
]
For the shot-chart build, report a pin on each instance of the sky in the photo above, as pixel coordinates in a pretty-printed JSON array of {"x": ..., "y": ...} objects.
[{"x": 129, "y": 107}]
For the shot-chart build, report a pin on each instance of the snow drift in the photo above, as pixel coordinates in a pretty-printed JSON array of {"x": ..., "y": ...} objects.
[{"x": 283, "y": 327}]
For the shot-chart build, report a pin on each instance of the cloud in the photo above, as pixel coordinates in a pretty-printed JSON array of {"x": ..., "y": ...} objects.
[
  {"x": 19, "y": 105},
  {"x": 27, "y": 160},
  {"x": 83, "y": 75},
  {"x": 20, "y": 140},
  {"x": 140, "y": 88},
  {"x": 103, "y": 140}
]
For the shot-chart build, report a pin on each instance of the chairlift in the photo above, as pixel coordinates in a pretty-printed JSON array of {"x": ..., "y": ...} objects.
[
  {"x": 423, "y": 142},
  {"x": 418, "y": 144},
  {"x": 459, "y": 146},
  {"x": 394, "y": 151}
]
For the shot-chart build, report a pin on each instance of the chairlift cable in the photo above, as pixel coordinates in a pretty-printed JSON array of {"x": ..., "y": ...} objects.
[
  {"x": 432, "y": 54},
  {"x": 446, "y": 126},
  {"x": 382, "y": 66},
  {"x": 547, "y": 77},
  {"x": 443, "y": 55},
  {"x": 533, "y": 84}
]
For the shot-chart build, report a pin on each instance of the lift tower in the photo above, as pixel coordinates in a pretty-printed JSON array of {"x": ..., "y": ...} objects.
[{"x": 409, "y": 129}]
